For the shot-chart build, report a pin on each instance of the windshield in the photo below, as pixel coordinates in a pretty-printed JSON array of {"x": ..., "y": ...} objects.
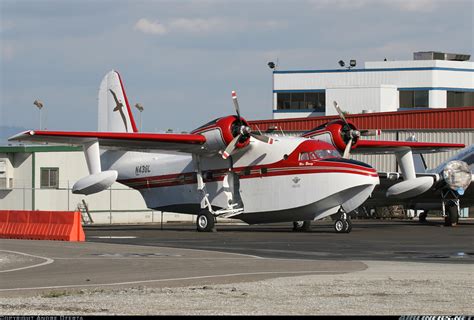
[{"x": 319, "y": 154}]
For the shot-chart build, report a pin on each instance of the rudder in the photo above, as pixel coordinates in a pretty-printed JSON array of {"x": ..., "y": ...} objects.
[{"x": 114, "y": 110}]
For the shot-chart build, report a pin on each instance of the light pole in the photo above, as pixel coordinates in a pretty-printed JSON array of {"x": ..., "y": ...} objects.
[
  {"x": 39, "y": 105},
  {"x": 140, "y": 108},
  {"x": 352, "y": 64},
  {"x": 273, "y": 66}
]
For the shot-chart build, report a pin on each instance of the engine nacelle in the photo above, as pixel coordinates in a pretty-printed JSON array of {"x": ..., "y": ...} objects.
[
  {"x": 457, "y": 176},
  {"x": 334, "y": 132},
  {"x": 220, "y": 132},
  {"x": 410, "y": 188}
]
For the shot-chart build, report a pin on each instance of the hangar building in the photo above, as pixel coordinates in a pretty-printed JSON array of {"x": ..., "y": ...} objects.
[
  {"x": 41, "y": 177},
  {"x": 430, "y": 80}
]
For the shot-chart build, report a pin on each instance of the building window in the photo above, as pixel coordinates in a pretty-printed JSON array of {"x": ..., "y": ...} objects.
[
  {"x": 49, "y": 178},
  {"x": 460, "y": 99},
  {"x": 311, "y": 101},
  {"x": 283, "y": 100},
  {"x": 297, "y": 101},
  {"x": 414, "y": 99}
]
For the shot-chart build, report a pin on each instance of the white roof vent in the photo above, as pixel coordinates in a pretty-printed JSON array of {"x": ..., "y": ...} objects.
[{"x": 436, "y": 55}]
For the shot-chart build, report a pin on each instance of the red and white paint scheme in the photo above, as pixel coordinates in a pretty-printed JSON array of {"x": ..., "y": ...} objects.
[
  {"x": 414, "y": 187},
  {"x": 220, "y": 169}
]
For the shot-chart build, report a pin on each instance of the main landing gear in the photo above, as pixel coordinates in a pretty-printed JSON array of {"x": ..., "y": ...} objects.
[
  {"x": 451, "y": 217},
  {"x": 343, "y": 222},
  {"x": 301, "y": 226},
  {"x": 206, "y": 219},
  {"x": 205, "y": 222}
]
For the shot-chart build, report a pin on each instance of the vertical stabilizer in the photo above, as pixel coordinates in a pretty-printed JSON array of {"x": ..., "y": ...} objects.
[{"x": 115, "y": 114}]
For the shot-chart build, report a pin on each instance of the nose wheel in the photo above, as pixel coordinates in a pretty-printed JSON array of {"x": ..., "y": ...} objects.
[{"x": 343, "y": 223}]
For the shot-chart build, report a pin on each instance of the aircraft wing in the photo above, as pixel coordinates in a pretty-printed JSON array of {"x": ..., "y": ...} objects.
[
  {"x": 188, "y": 143},
  {"x": 385, "y": 147},
  {"x": 431, "y": 199}
]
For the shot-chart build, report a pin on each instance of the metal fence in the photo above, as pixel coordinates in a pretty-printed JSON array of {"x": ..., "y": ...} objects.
[{"x": 112, "y": 206}]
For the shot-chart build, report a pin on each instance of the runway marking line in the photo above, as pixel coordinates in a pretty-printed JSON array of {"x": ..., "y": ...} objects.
[
  {"x": 170, "y": 279},
  {"x": 48, "y": 261},
  {"x": 114, "y": 237}
]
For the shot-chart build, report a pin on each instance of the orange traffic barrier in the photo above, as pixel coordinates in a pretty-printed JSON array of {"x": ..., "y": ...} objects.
[
  {"x": 3, "y": 221},
  {"x": 41, "y": 225}
]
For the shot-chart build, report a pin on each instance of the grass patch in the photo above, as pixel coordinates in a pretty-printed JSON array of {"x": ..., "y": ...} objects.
[{"x": 55, "y": 294}]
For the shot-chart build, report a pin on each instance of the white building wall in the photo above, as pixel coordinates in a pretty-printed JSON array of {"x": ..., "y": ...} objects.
[
  {"x": 357, "y": 99},
  {"x": 72, "y": 167},
  {"x": 118, "y": 204},
  {"x": 438, "y": 98},
  {"x": 20, "y": 196},
  {"x": 417, "y": 74},
  {"x": 362, "y": 78}
]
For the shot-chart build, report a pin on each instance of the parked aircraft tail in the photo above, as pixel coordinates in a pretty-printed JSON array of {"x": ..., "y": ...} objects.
[{"x": 115, "y": 114}]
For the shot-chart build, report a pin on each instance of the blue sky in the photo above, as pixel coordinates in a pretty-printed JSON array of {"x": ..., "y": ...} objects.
[{"x": 182, "y": 59}]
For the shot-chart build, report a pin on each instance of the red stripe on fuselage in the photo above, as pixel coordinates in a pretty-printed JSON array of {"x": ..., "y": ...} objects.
[
  {"x": 290, "y": 165},
  {"x": 246, "y": 173}
]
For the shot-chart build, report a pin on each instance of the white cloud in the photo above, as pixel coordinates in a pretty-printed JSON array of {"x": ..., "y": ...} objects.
[
  {"x": 205, "y": 26},
  {"x": 197, "y": 25},
  {"x": 415, "y": 6},
  {"x": 150, "y": 27},
  {"x": 402, "y": 5}
]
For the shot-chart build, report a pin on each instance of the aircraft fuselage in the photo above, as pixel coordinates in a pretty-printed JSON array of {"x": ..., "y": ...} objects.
[{"x": 293, "y": 179}]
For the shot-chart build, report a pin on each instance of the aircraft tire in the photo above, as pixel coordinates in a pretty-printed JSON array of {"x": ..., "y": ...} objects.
[
  {"x": 422, "y": 216},
  {"x": 348, "y": 226},
  {"x": 340, "y": 226},
  {"x": 301, "y": 226},
  {"x": 452, "y": 218},
  {"x": 205, "y": 222},
  {"x": 343, "y": 225}
]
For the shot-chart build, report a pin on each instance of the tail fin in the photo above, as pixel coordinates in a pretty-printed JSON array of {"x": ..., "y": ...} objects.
[{"x": 115, "y": 114}]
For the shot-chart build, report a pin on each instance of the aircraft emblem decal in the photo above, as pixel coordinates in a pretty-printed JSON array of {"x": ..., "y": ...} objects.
[{"x": 119, "y": 108}]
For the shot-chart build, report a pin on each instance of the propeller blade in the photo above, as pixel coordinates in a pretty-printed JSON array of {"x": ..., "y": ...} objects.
[
  {"x": 262, "y": 138},
  {"x": 231, "y": 147},
  {"x": 339, "y": 111},
  {"x": 236, "y": 105},
  {"x": 347, "y": 149},
  {"x": 367, "y": 133}
]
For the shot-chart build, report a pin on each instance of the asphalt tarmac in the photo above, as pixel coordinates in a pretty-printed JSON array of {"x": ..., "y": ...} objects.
[
  {"x": 240, "y": 269},
  {"x": 35, "y": 266},
  {"x": 388, "y": 240}
]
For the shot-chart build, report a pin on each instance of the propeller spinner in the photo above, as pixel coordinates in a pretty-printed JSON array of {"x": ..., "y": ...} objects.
[
  {"x": 244, "y": 132},
  {"x": 351, "y": 134}
]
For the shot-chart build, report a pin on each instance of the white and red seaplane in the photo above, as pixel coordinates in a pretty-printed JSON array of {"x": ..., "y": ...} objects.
[{"x": 221, "y": 169}]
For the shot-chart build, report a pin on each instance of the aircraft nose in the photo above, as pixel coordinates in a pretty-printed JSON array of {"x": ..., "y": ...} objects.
[{"x": 357, "y": 183}]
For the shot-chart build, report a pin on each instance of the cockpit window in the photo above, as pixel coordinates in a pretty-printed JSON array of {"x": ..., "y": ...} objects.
[
  {"x": 304, "y": 156},
  {"x": 319, "y": 154}
]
